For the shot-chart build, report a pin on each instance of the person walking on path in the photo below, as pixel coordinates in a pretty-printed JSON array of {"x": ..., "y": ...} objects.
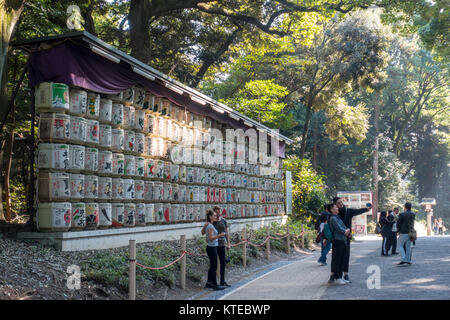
[
  {"x": 394, "y": 232},
  {"x": 405, "y": 225},
  {"x": 325, "y": 241},
  {"x": 340, "y": 234},
  {"x": 386, "y": 230},
  {"x": 441, "y": 227},
  {"x": 212, "y": 237},
  {"x": 346, "y": 215}
]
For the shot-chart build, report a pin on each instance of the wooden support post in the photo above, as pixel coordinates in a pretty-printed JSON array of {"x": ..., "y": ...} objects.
[
  {"x": 244, "y": 247},
  {"x": 268, "y": 243},
  {"x": 303, "y": 237},
  {"x": 132, "y": 271},
  {"x": 183, "y": 262},
  {"x": 288, "y": 240}
]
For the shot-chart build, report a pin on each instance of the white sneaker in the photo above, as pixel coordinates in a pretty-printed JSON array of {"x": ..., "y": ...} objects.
[
  {"x": 346, "y": 281},
  {"x": 341, "y": 281}
]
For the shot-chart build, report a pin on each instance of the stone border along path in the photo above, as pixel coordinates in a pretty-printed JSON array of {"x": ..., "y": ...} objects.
[{"x": 427, "y": 278}]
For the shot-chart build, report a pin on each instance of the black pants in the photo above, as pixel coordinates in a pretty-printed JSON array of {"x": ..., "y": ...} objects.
[
  {"x": 386, "y": 244},
  {"x": 394, "y": 241},
  {"x": 338, "y": 256},
  {"x": 347, "y": 256},
  {"x": 212, "y": 255},
  {"x": 221, "y": 252}
]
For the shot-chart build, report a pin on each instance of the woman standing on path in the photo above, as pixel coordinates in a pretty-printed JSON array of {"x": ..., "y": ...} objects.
[
  {"x": 340, "y": 233},
  {"x": 386, "y": 230},
  {"x": 212, "y": 237}
]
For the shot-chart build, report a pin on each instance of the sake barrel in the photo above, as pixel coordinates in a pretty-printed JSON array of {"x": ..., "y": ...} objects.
[
  {"x": 128, "y": 95},
  {"x": 209, "y": 194},
  {"x": 166, "y": 173},
  {"x": 139, "y": 186},
  {"x": 54, "y": 216},
  {"x": 190, "y": 212},
  {"x": 202, "y": 178},
  {"x": 128, "y": 117},
  {"x": 117, "y": 189},
  {"x": 117, "y": 114},
  {"x": 148, "y": 145},
  {"x": 190, "y": 193},
  {"x": 159, "y": 212},
  {"x": 105, "y": 112},
  {"x": 130, "y": 165},
  {"x": 77, "y": 102},
  {"x": 105, "y": 162},
  {"x": 139, "y": 96},
  {"x": 175, "y": 132},
  {"x": 182, "y": 174},
  {"x": 152, "y": 125},
  {"x": 105, "y": 136},
  {"x": 167, "y": 194},
  {"x": 148, "y": 190},
  {"x": 140, "y": 164},
  {"x": 105, "y": 215},
  {"x": 175, "y": 213},
  {"x": 196, "y": 174},
  {"x": 52, "y": 97},
  {"x": 149, "y": 169},
  {"x": 129, "y": 141},
  {"x": 117, "y": 140},
  {"x": 169, "y": 133},
  {"x": 174, "y": 172},
  {"x": 78, "y": 216},
  {"x": 93, "y": 105},
  {"x": 90, "y": 187},
  {"x": 91, "y": 160},
  {"x": 196, "y": 212},
  {"x": 223, "y": 195},
  {"x": 175, "y": 192},
  {"x": 76, "y": 158},
  {"x": 118, "y": 210},
  {"x": 115, "y": 96},
  {"x": 118, "y": 164},
  {"x": 92, "y": 132},
  {"x": 167, "y": 207},
  {"x": 202, "y": 212},
  {"x": 76, "y": 185},
  {"x": 203, "y": 191},
  {"x": 229, "y": 196},
  {"x": 129, "y": 189},
  {"x": 140, "y": 122},
  {"x": 53, "y": 156},
  {"x": 190, "y": 175},
  {"x": 54, "y": 127},
  {"x": 140, "y": 216},
  {"x": 53, "y": 186},
  {"x": 182, "y": 212},
  {"x": 104, "y": 188},
  {"x": 139, "y": 143},
  {"x": 158, "y": 191},
  {"x": 162, "y": 127},
  {"x": 159, "y": 169},
  {"x": 149, "y": 213},
  {"x": 182, "y": 193},
  {"x": 78, "y": 129}
]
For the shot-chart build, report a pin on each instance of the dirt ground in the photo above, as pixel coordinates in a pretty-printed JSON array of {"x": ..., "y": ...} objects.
[{"x": 30, "y": 271}]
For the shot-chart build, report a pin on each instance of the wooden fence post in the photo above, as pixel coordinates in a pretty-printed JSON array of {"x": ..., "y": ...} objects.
[
  {"x": 303, "y": 237},
  {"x": 244, "y": 247},
  {"x": 183, "y": 262},
  {"x": 132, "y": 271},
  {"x": 268, "y": 243},
  {"x": 288, "y": 241}
]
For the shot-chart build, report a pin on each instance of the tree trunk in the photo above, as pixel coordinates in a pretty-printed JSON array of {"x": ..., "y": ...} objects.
[
  {"x": 305, "y": 131},
  {"x": 7, "y": 173},
  {"x": 139, "y": 19},
  {"x": 2, "y": 214},
  {"x": 315, "y": 136},
  {"x": 375, "y": 166}
]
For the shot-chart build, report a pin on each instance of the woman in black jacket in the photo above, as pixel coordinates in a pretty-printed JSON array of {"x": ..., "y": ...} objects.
[{"x": 386, "y": 229}]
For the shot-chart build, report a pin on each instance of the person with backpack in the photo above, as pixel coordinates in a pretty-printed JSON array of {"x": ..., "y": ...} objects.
[
  {"x": 323, "y": 236},
  {"x": 340, "y": 233}
]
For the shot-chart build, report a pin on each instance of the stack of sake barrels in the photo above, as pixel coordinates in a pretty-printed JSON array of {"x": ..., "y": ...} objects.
[{"x": 105, "y": 160}]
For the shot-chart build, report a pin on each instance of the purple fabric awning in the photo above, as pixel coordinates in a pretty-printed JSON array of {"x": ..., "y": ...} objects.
[{"x": 76, "y": 65}]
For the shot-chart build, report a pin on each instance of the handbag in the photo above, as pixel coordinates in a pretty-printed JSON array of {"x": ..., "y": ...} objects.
[
  {"x": 377, "y": 229},
  {"x": 319, "y": 237},
  {"x": 412, "y": 235}
]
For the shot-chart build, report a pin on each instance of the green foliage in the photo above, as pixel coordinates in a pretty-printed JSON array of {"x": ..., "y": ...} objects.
[{"x": 308, "y": 189}]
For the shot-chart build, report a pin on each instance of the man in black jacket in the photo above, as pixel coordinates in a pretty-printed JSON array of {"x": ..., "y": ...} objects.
[
  {"x": 405, "y": 225},
  {"x": 346, "y": 215}
]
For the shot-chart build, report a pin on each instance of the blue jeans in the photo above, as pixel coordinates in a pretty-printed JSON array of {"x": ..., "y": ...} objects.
[
  {"x": 325, "y": 249},
  {"x": 403, "y": 239}
]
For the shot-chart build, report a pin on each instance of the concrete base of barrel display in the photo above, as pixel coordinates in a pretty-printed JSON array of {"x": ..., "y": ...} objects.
[{"x": 119, "y": 237}]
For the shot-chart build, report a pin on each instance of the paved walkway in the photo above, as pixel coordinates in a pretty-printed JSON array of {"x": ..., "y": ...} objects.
[{"x": 427, "y": 278}]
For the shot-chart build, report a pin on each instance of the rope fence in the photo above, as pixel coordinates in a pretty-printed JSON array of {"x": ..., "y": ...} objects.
[{"x": 133, "y": 262}]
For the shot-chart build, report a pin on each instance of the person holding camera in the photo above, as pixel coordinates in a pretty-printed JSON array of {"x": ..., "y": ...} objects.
[
  {"x": 340, "y": 235},
  {"x": 346, "y": 215},
  {"x": 212, "y": 236}
]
